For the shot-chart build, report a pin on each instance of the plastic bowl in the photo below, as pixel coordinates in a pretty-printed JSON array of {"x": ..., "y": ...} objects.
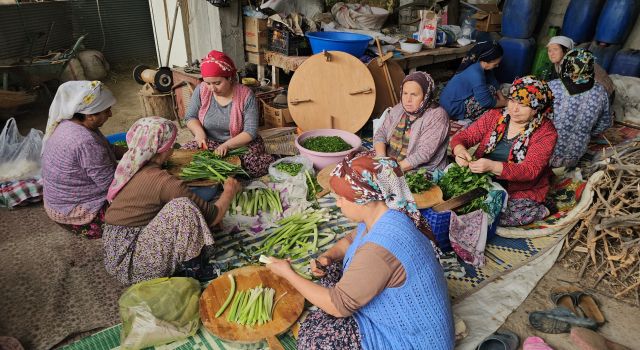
[
  {"x": 113, "y": 138},
  {"x": 411, "y": 47},
  {"x": 320, "y": 159},
  {"x": 355, "y": 44}
]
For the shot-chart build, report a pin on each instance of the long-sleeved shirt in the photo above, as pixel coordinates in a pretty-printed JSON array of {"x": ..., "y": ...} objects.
[
  {"x": 576, "y": 118},
  {"x": 142, "y": 198},
  {"x": 529, "y": 179},
  {"x": 473, "y": 81},
  {"x": 77, "y": 168},
  {"x": 428, "y": 140},
  {"x": 217, "y": 118}
]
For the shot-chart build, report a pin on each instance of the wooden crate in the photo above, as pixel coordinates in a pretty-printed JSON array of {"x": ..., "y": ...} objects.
[
  {"x": 256, "y": 37},
  {"x": 275, "y": 117}
]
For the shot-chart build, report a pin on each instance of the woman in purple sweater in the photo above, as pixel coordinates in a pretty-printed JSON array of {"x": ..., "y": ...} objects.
[
  {"x": 416, "y": 131},
  {"x": 77, "y": 161}
]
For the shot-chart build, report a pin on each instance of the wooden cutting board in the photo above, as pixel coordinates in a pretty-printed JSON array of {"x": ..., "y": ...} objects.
[
  {"x": 287, "y": 310},
  {"x": 182, "y": 157},
  {"x": 429, "y": 198},
  {"x": 323, "y": 178}
]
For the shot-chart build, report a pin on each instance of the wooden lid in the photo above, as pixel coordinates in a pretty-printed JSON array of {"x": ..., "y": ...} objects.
[{"x": 331, "y": 90}]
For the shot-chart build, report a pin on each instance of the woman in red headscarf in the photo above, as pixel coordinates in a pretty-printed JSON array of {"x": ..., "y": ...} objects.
[{"x": 223, "y": 115}]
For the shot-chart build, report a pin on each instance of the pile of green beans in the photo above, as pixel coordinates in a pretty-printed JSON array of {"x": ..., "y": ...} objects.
[{"x": 251, "y": 202}]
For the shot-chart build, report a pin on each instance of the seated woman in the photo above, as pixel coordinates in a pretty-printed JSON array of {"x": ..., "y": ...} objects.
[
  {"x": 383, "y": 287},
  {"x": 581, "y": 108},
  {"x": 515, "y": 145},
  {"x": 558, "y": 47},
  {"x": 474, "y": 88},
  {"x": 77, "y": 160},
  {"x": 416, "y": 131},
  {"x": 223, "y": 115},
  {"x": 154, "y": 222}
]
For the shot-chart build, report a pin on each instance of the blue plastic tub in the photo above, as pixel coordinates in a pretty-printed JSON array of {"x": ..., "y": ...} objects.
[
  {"x": 121, "y": 136},
  {"x": 355, "y": 44}
]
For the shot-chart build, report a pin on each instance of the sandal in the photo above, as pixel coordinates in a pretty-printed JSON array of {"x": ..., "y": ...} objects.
[
  {"x": 565, "y": 299},
  {"x": 500, "y": 340},
  {"x": 559, "y": 320},
  {"x": 589, "y": 306}
]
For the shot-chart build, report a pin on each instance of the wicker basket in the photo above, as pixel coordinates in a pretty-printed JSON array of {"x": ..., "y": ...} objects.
[
  {"x": 280, "y": 141},
  {"x": 14, "y": 99}
]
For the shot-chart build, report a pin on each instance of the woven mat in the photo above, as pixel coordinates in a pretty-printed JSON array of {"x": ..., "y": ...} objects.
[{"x": 285, "y": 62}]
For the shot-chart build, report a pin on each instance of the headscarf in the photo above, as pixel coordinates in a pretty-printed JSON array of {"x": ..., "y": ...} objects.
[
  {"x": 217, "y": 64},
  {"x": 362, "y": 178},
  {"x": 78, "y": 96},
  {"x": 426, "y": 83},
  {"x": 532, "y": 93},
  {"x": 562, "y": 41},
  {"x": 577, "y": 71},
  {"x": 485, "y": 51},
  {"x": 146, "y": 138}
]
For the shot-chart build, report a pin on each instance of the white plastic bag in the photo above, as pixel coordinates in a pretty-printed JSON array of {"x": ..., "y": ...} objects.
[
  {"x": 293, "y": 189},
  {"x": 19, "y": 155},
  {"x": 377, "y": 123}
]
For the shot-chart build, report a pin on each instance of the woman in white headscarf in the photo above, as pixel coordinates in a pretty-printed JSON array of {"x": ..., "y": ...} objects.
[
  {"x": 77, "y": 161},
  {"x": 558, "y": 47}
]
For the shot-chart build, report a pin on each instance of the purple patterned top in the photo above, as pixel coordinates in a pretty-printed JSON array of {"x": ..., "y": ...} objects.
[{"x": 77, "y": 168}]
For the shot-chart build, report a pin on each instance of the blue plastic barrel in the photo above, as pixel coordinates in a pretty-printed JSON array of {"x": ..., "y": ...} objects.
[
  {"x": 615, "y": 21},
  {"x": 626, "y": 62},
  {"x": 580, "y": 19},
  {"x": 604, "y": 53},
  {"x": 519, "y": 18},
  {"x": 517, "y": 59}
]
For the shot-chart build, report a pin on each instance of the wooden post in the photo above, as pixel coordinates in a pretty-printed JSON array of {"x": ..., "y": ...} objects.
[{"x": 453, "y": 12}]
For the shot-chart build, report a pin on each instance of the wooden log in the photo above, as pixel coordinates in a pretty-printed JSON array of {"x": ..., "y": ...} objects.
[{"x": 155, "y": 103}]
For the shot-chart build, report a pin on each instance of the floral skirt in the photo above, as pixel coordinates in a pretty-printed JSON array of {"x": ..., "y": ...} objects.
[
  {"x": 255, "y": 162},
  {"x": 523, "y": 212},
  {"x": 91, "y": 230},
  {"x": 321, "y": 331},
  {"x": 473, "y": 109},
  {"x": 177, "y": 234}
]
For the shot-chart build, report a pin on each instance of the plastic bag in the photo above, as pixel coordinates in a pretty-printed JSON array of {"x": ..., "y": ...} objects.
[
  {"x": 428, "y": 28},
  {"x": 19, "y": 155},
  {"x": 293, "y": 188},
  {"x": 159, "y": 311},
  {"x": 377, "y": 123}
]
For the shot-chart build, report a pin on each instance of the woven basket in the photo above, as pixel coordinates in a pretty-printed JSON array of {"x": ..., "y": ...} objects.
[
  {"x": 280, "y": 141},
  {"x": 14, "y": 99}
]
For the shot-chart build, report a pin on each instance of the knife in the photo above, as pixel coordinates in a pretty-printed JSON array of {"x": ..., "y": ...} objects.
[{"x": 458, "y": 201}]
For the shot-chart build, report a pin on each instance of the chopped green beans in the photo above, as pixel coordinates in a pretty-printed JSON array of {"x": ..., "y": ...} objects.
[
  {"x": 207, "y": 165},
  {"x": 418, "y": 181},
  {"x": 257, "y": 200},
  {"x": 229, "y": 297},
  {"x": 253, "y": 306},
  {"x": 458, "y": 180},
  {"x": 290, "y": 168},
  {"x": 313, "y": 187},
  {"x": 326, "y": 144}
]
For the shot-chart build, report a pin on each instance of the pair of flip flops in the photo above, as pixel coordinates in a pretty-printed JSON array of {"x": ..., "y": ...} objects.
[{"x": 574, "y": 308}]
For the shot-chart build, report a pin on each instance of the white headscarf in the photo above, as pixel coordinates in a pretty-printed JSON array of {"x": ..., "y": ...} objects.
[
  {"x": 81, "y": 96},
  {"x": 562, "y": 41}
]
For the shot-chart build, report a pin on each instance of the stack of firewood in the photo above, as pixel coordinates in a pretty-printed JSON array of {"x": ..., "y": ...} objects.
[{"x": 606, "y": 243}]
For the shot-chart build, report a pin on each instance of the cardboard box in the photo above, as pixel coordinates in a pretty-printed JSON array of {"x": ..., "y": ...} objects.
[
  {"x": 276, "y": 117},
  {"x": 256, "y": 36},
  {"x": 489, "y": 19},
  {"x": 256, "y": 58}
]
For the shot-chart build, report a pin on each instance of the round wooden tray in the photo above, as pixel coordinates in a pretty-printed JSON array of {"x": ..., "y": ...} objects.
[
  {"x": 287, "y": 310},
  {"x": 332, "y": 90}
]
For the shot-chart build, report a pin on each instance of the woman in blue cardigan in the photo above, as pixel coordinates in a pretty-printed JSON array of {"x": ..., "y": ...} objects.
[
  {"x": 382, "y": 286},
  {"x": 474, "y": 89}
]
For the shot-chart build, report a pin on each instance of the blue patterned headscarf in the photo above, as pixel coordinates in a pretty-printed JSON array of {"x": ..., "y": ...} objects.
[{"x": 577, "y": 71}]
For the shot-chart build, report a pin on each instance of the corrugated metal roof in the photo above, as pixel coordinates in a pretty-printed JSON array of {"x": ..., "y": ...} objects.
[{"x": 20, "y": 24}]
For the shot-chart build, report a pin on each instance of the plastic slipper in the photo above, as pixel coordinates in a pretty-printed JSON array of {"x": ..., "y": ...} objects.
[
  {"x": 586, "y": 339},
  {"x": 559, "y": 320},
  {"x": 564, "y": 299},
  {"x": 587, "y": 303},
  {"x": 501, "y": 340},
  {"x": 535, "y": 343}
]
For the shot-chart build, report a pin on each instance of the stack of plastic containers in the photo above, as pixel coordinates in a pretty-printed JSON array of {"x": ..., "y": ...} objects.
[
  {"x": 614, "y": 24},
  {"x": 580, "y": 19}
]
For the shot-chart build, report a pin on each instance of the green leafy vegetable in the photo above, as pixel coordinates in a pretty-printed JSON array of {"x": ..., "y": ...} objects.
[
  {"x": 290, "y": 168},
  {"x": 418, "y": 180},
  {"x": 121, "y": 143},
  {"x": 326, "y": 144},
  {"x": 459, "y": 180}
]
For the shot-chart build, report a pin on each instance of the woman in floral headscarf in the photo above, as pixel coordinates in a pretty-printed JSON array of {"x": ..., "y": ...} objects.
[
  {"x": 77, "y": 160},
  {"x": 223, "y": 115},
  {"x": 581, "y": 108},
  {"x": 382, "y": 286},
  {"x": 515, "y": 145},
  {"x": 416, "y": 131},
  {"x": 154, "y": 222}
]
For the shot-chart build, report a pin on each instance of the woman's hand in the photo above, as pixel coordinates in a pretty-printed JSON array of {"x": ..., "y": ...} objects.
[
  {"x": 231, "y": 186},
  {"x": 221, "y": 150},
  {"x": 201, "y": 140},
  {"x": 319, "y": 271},
  {"x": 482, "y": 165},
  {"x": 280, "y": 267},
  {"x": 462, "y": 155}
]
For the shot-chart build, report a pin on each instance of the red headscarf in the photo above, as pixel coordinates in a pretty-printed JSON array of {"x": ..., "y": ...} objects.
[{"x": 217, "y": 64}]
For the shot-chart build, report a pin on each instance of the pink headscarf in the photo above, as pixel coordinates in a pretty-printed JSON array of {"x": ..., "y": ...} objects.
[
  {"x": 146, "y": 138},
  {"x": 217, "y": 64}
]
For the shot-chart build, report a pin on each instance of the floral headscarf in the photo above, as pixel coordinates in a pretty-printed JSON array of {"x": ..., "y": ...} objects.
[
  {"x": 532, "y": 93},
  {"x": 146, "y": 138},
  {"x": 485, "y": 51},
  {"x": 426, "y": 83},
  {"x": 577, "y": 71},
  {"x": 362, "y": 178},
  {"x": 78, "y": 96}
]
